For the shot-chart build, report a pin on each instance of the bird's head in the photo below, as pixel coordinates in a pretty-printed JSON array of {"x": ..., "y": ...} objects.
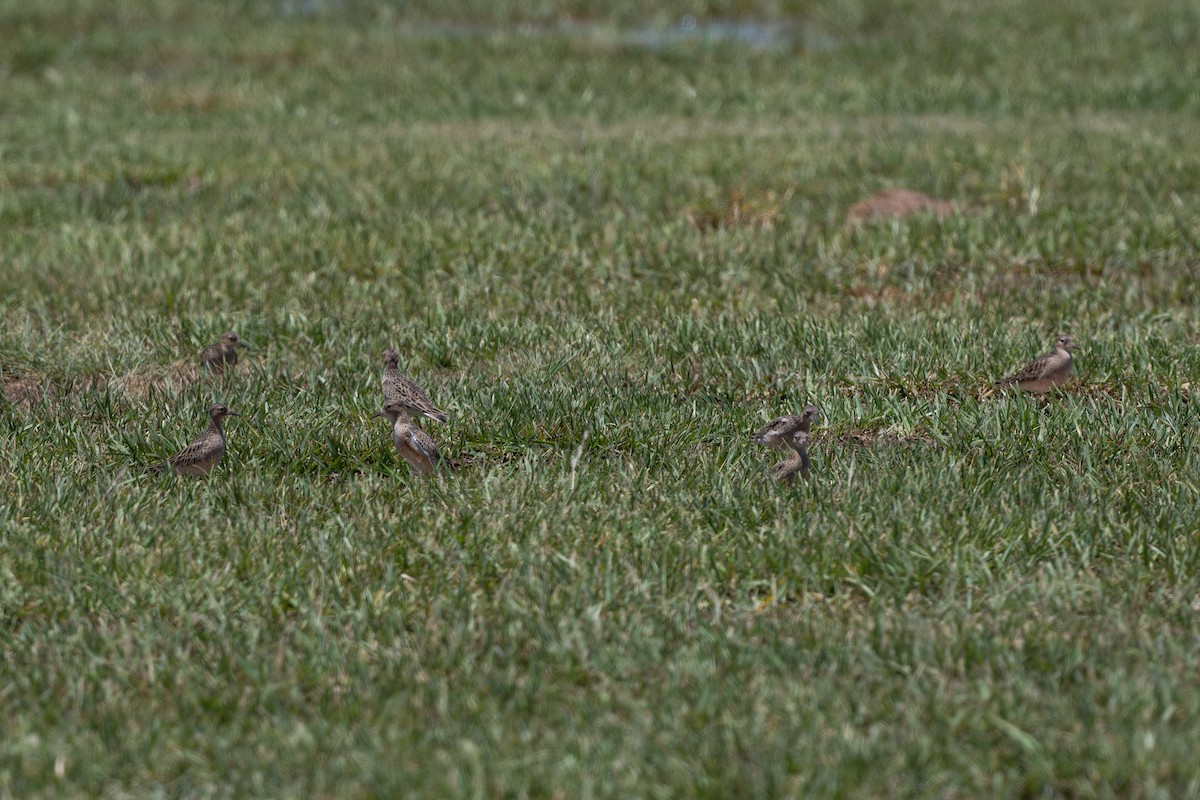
[
  {"x": 220, "y": 411},
  {"x": 391, "y": 358},
  {"x": 392, "y": 412}
]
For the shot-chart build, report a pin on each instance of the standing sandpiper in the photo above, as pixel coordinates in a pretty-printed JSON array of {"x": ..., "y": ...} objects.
[
  {"x": 399, "y": 389},
  {"x": 785, "y": 471},
  {"x": 199, "y": 457},
  {"x": 216, "y": 357},
  {"x": 413, "y": 444},
  {"x": 775, "y": 434},
  {"x": 1045, "y": 372}
]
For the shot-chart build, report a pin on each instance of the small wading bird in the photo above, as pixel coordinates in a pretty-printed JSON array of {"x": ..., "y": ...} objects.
[
  {"x": 199, "y": 457},
  {"x": 399, "y": 389},
  {"x": 216, "y": 357},
  {"x": 776, "y": 432},
  {"x": 789, "y": 433},
  {"x": 1044, "y": 373},
  {"x": 413, "y": 444},
  {"x": 785, "y": 471}
]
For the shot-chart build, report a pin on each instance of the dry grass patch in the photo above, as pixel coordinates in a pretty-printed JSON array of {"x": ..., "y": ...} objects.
[
  {"x": 195, "y": 100},
  {"x": 173, "y": 380},
  {"x": 866, "y": 437},
  {"x": 898, "y": 204},
  {"x": 28, "y": 388},
  {"x": 738, "y": 211}
]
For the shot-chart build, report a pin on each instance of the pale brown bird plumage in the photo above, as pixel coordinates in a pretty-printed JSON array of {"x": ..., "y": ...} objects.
[
  {"x": 404, "y": 391},
  {"x": 223, "y": 353},
  {"x": 776, "y": 432},
  {"x": 1044, "y": 373},
  {"x": 413, "y": 444},
  {"x": 201, "y": 456},
  {"x": 797, "y": 464}
]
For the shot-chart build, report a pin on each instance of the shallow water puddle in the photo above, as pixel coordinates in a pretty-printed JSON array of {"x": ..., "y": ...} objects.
[{"x": 750, "y": 33}]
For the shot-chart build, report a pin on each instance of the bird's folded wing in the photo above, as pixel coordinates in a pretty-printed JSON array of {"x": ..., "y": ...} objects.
[
  {"x": 421, "y": 443},
  {"x": 773, "y": 428},
  {"x": 1030, "y": 372},
  {"x": 193, "y": 453},
  {"x": 416, "y": 396},
  {"x": 786, "y": 467},
  {"x": 1033, "y": 370}
]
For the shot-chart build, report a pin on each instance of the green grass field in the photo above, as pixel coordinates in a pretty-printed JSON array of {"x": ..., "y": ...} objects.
[{"x": 976, "y": 594}]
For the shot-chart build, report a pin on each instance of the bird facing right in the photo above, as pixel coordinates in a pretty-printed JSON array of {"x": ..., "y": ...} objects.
[
  {"x": 201, "y": 456},
  {"x": 776, "y": 433},
  {"x": 399, "y": 389},
  {"x": 1044, "y": 373},
  {"x": 223, "y": 353}
]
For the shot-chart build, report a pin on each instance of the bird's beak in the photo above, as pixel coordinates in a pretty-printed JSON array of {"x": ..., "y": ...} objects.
[
  {"x": 243, "y": 344},
  {"x": 376, "y": 414},
  {"x": 233, "y": 414}
]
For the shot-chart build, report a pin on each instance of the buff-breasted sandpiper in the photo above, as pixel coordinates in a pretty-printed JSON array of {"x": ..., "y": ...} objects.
[
  {"x": 1044, "y": 373},
  {"x": 201, "y": 456},
  {"x": 400, "y": 389}
]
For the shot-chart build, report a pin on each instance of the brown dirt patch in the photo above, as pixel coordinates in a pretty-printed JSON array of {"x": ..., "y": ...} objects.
[
  {"x": 196, "y": 101},
  {"x": 176, "y": 378},
  {"x": 28, "y": 388},
  {"x": 897, "y": 204}
]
